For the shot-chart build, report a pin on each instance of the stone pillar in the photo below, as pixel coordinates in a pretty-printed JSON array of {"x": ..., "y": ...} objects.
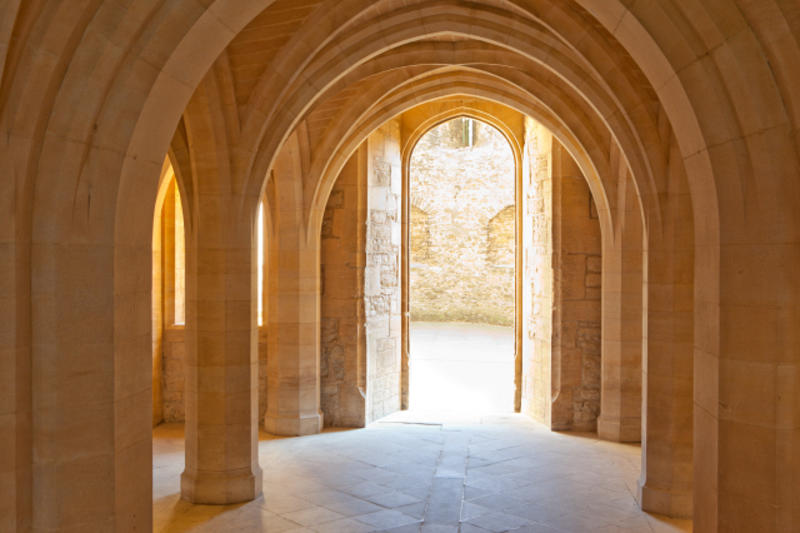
[
  {"x": 221, "y": 332},
  {"x": 666, "y": 483},
  {"x": 221, "y": 366},
  {"x": 747, "y": 363},
  {"x": 293, "y": 391},
  {"x": 343, "y": 342},
  {"x": 576, "y": 298},
  {"x": 621, "y": 400},
  {"x": 382, "y": 272},
  {"x": 561, "y": 279}
]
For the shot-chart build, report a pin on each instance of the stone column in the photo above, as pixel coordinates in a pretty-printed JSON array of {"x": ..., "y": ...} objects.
[
  {"x": 666, "y": 483},
  {"x": 221, "y": 370},
  {"x": 221, "y": 332},
  {"x": 621, "y": 399},
  {"x": 382, "y": 272},
  {"x": 343, "y": 341},
  {"x": 576, "y": 340},
  {"x": 294, "y": 306},
  {"x": 747, "y": 361}
]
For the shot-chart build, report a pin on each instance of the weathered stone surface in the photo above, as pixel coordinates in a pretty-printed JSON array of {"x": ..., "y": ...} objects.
[
  {"x": 382, "y": 273},
  {"x": 561, "y": 268},
  {"x": 462, "y": 225},
  {"x": 342, "y": 302}
]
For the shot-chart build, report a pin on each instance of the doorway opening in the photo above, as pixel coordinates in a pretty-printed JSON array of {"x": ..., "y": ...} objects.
[{"x": 462, "y": 269}]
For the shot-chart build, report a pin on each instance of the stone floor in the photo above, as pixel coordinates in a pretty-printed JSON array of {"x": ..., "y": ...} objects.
[
  {"x": 423, "y": 473},
  {"x": 459, "y": 367}
]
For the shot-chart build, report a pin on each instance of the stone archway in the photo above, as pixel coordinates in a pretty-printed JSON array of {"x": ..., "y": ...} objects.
[
  {"x": 736, "y": 149},
  {"x": 458, "y": 298}
]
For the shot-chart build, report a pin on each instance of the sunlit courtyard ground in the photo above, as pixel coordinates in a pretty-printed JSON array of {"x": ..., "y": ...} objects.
[{"x": 455, "y": 367}]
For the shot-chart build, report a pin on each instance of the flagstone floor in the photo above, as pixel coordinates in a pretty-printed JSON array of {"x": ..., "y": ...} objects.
[{"x": 416, "y": 472}]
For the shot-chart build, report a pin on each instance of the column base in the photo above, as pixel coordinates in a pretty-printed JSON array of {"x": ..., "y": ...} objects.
[
  {"x": 619, "y": 429},
  {"x": 675, "y": 504},
  {"x": 295, "y": 426},
  {"x": 221, "y": 488}
]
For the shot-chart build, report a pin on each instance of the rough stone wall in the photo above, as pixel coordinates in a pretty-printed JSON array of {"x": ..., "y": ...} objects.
[
  {"x": 342, "y": 310},
  {"x": 577, "y": 279},
  {"x": 562, "y": 278},
  {"x": 382, "y": 295},
  {"x": 462, "y": 239}
]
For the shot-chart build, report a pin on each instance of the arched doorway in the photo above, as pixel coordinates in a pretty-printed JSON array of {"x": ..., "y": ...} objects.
[{"x": 461, "y": 265}]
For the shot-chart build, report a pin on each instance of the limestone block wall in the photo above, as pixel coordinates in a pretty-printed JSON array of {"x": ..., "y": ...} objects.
[
  {"x": 462, "y": 231},
  {"x": 562, "y": 272},
  {"x": 577, "y": 281},
  {"x": 382, "y": 294},
  {"x": 342, "y": 338}
]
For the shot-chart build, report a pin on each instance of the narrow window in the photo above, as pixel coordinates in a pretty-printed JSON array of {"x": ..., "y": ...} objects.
[
  {"x": 180, "y": 263},
  {"x": 260, "y": 245}
]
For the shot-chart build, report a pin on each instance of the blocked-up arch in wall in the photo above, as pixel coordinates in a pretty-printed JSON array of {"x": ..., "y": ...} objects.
[
  {"x": 420, "y": 240},
  {"x": 500, "y": 237}
]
